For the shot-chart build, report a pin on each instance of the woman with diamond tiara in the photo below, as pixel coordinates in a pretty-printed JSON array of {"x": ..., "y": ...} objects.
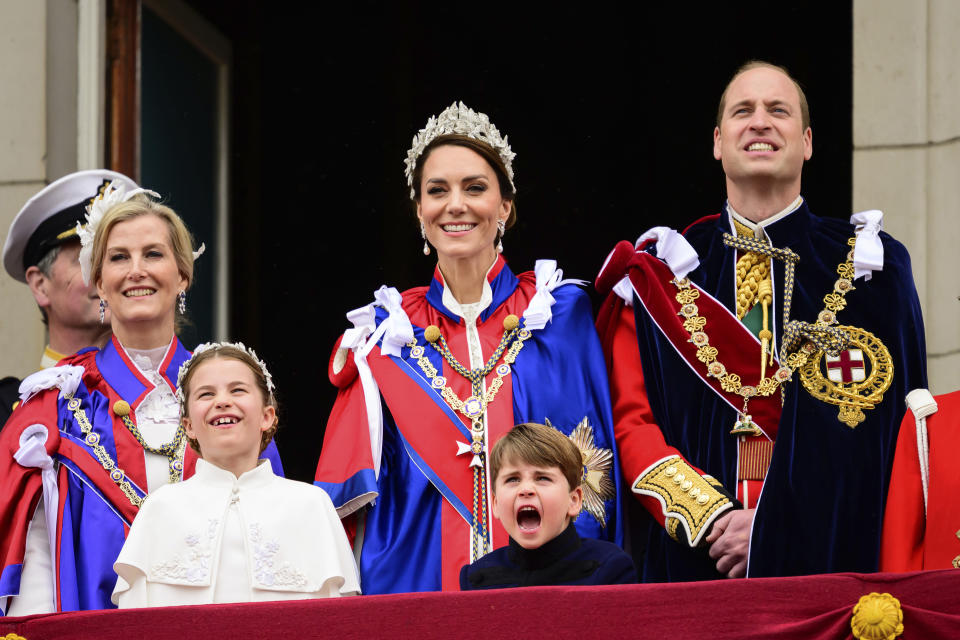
[
  {"x": 95, "y": 434},
  {"x": 234, "y": 532},
  {"x": 430, "y": 378}
]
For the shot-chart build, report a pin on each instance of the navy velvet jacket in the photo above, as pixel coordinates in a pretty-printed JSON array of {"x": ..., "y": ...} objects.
[
  {"x": 568, "y": 559},
  {"x": 822, "y": 503}
]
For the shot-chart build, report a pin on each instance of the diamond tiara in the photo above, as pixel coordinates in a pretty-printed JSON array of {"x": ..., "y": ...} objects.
[
  {"x": 459, "y": 119},
  {"x": 207, "y": 346}
]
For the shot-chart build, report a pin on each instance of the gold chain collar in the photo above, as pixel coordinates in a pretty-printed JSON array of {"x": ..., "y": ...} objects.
[{"x": 695, "y": 325}]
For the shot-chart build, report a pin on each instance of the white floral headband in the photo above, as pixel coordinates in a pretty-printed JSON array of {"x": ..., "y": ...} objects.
[
  {"x": 113, "y": 194},
  {"x": 208, "y": 346}
]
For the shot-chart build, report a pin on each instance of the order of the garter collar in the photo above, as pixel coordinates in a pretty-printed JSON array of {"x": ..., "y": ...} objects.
[{"x": 459, "y": 119}]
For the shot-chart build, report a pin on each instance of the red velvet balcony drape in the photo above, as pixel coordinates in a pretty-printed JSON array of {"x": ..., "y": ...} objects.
[{"x": 803, "y": 608}]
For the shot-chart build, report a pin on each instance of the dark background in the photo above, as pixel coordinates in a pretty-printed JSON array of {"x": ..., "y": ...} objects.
[{"x": 610, "y": 109}]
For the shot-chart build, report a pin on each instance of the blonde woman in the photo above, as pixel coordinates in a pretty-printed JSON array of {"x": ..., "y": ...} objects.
[{"x": 98, "y": 432}]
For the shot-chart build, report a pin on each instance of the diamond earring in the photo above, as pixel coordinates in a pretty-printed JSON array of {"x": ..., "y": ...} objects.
[
  {"x": 103, "y": 309},
  {"x": 501, "y": 229},
  {"x": 182, "y": 302}
]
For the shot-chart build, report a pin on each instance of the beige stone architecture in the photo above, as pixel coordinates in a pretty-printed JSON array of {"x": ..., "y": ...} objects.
[
  {"x": 39, "y": 138},
  {"x": 906, "y": 157}
]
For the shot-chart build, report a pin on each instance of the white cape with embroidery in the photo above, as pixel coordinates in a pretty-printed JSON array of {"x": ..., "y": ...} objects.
[{"x": 219, "y": 538}]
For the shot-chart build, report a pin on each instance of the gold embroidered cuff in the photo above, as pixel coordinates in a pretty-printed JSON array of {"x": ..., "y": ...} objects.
[{"x": 687, "y": 498}]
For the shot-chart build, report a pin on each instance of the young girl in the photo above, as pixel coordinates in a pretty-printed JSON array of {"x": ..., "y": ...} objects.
[{"x": 234, "y": 532}]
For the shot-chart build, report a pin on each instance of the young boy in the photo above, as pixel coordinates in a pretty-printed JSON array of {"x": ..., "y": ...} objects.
[{"x": 536, "y": 474}]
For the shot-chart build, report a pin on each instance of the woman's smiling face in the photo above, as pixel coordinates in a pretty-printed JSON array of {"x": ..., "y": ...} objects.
[
  {"x": 460, "y": 204},
  {"x": 140, "y": 279}
]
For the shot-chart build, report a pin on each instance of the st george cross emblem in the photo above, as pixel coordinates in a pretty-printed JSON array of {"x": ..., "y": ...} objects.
[
  {"x": 847, "y": 367},
  {"x": 855, "y": 379}
]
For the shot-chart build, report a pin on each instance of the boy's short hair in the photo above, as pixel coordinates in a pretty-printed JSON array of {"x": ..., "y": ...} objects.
[{"x": 539, "y": 445}]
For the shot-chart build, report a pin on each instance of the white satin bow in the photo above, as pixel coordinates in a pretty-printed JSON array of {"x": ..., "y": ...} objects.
[
  {"x": 868, "y": 251},
  {"x": 33, "y": 453},
  {"x": 396, "y": 329},
  {"x": 539, "y": 312},
  {"x": 396, "y": 332},
  {"x": 673, "y": 249},
  {"x": 66, "y": 377}
]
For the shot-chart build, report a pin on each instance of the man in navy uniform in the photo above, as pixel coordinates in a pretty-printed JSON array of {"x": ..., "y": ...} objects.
[{"x": 764, "y": 349}]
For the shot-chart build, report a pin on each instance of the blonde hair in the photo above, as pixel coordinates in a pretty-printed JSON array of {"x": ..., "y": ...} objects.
[
  {"x": 140, "y": 205},
  {"x": 229, "y": 351},
  {"x": 538, "y": 445}
]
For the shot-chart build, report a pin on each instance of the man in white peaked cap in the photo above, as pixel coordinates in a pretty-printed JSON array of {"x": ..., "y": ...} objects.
[{"x": 41, "y": 251}]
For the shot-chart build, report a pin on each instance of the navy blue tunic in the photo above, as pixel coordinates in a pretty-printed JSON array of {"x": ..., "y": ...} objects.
[{"x": 568, "y": 559}]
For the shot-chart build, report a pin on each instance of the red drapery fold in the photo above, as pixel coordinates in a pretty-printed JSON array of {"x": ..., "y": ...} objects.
[{"x": 802, "y": 608}]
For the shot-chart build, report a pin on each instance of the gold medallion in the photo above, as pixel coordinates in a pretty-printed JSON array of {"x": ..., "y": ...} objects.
[{"x": 854, "y": 380}]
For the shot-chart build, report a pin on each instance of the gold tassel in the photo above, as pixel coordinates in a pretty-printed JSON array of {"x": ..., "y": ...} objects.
[{"x": 765, "y": 294}]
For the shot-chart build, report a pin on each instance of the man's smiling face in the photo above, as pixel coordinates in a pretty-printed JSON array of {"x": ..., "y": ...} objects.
[{"x": 761, "y": 136}]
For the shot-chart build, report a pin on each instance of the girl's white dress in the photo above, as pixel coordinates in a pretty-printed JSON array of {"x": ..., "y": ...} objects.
[{"x": 219, "y": 538}]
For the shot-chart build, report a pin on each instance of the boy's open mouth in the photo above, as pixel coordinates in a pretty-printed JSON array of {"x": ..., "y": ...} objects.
[{"x": 528, "y": 518}]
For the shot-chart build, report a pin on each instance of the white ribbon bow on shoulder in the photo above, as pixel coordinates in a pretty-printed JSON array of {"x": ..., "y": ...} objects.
[
  {"x": 673, "y": 249},
  {"x": 66, "y": 377},
  {"x": 868, "y": 251},
  {"x": 396, "y": 332},
  {"x": 539, "y": 312},
  {"x": 396, "y": 329}
]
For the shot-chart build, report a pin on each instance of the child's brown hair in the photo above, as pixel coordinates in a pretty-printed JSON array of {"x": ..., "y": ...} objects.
[{"x": 538, "y": 445}]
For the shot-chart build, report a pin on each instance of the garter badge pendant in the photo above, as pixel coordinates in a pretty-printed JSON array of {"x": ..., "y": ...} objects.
[{"x": 854, "y": 380}]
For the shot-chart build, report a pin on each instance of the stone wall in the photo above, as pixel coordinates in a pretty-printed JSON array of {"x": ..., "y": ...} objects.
[
  {"x": 23, "y": 168},
  {"x": 906, "y": 157},
  {"x": 38, "y": 144}
]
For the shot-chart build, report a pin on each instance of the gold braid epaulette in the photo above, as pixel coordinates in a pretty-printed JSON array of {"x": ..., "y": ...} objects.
[{"x": 687, "y": 497}]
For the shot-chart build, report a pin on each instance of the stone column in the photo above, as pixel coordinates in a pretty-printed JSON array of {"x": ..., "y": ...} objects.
[
  {"x": 38, "y": 144},
  {"x": 906, "y": 156},
  {"x": 23, "y": 170}
]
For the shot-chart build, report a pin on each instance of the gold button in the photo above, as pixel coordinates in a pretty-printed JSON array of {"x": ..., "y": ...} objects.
[
  {"x": 685, "y": 486},
  {"x": 956, "y": 562},
  {"x": 703, "y": 499},
  {"x": 669, "y": 471},
  {"x": 121, "y": 408}
]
